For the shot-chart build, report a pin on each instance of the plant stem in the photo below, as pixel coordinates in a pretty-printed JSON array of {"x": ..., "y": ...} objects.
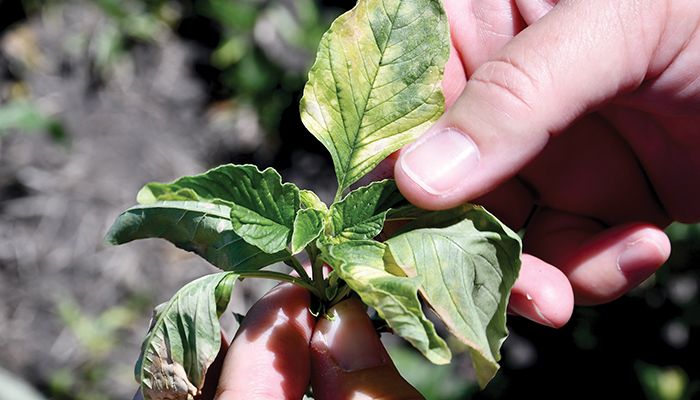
[
  {"x": 278, "y": 276},
  {"x": 338, "y": 195},
  {"x": 317, "y": 271},
  {"x": 342, "y": 293},
  {"x": 299, "y": 268}
]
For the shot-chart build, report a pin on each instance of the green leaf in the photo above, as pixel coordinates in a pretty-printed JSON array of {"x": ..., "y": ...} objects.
[
  {"x": 468, "y": 267},
  {"x": 360, "y": 215},
  {"x": 361, "y": 265},
  {"x": 307, "y": 227},
  {"x": 262, "y": 208},
  {"x": 309, "y": 199},
  {"x": 406, "y": 212},
  {"x": 222, "y": 293},
  {"x": 184, "y": 339},
  {"x": 202, "y": 228},
  {"x": 376, "y": 82}
]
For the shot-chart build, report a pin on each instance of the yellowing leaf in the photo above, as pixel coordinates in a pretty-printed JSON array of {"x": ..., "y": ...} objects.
[
  {"x": 467, "y": 267},
  {"x": 375, "y": 85},
  {"x": 360, "y": 264},
  {"x": 310, "y": 199}
]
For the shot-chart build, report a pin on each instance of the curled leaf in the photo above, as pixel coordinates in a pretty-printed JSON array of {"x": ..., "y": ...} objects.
[
  {"x": 310, "y": 199},
  {"x": 184, "y": 339},
  {"x": 169, "y": 382},
  {"x": 468, "y": 264},
  {"x": 360, "y": 263},
  {"x": 203, "y": 228},
  {"x": 262, "y": 208}
]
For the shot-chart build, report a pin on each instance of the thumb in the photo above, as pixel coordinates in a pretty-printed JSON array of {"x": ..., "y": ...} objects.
[
  {"x": 348, "y": 361},
  {"x": 578, "y": 56}
]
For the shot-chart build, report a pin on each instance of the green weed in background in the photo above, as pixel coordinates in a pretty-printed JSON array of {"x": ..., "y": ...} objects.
[
  {"x": 669, "y": 383},
  {"x": 25, "y": 116},
  {"x": 98, "y": 337}
]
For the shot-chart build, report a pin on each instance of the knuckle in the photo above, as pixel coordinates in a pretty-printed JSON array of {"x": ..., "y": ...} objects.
[{"x": 510, "y": 81}]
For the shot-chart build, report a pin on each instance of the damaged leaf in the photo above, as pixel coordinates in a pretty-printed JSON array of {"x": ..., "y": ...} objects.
[
  {"x": 184, "y": 339},
  {"x": 468, "y": 262}
]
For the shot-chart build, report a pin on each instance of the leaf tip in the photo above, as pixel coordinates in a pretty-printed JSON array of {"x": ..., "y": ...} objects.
[
  {"x": 485, "y": 368},
  {"x": 110, "y": 238},
  {"x": 440, "y": 354},
  {"x": 146, "y": 196}
]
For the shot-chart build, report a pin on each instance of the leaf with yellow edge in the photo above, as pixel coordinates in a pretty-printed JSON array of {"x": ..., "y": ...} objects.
[{"x": 376, "y": 82}]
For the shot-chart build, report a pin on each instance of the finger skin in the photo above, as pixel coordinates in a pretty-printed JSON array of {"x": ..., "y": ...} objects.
[
  {"x": 532, "y": 10},
  {"x": 527, "y": 109},
  {"x": 591, "y": 171},
  {"x": 269, "y": 358},
  {"x": 525, "y": 93},
  {"x": 542, "y": 293},
  {"x": 348, "y": 360},
  {"x": 480, "y": 28},
  {"x": 595, "y": 258},
  {"x": 667, "y": 147}
]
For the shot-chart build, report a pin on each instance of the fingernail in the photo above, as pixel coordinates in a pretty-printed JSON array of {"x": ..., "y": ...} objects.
[
  {"x": 350, "y": 337},
  {"x": 525, "y": 306},
  {"x": 640, "y": 259},
  {"x": 439, "y": 161}
]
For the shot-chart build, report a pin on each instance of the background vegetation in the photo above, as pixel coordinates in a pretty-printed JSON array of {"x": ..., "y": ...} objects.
[{"x": 121, "y": 92}]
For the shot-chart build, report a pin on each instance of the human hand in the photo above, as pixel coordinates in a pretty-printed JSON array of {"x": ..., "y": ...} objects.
[
  {"x": 591, "y": 115},
  {"x": 280, "y": 348}
]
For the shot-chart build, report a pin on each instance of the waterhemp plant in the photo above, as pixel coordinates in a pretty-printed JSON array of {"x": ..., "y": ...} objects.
[{"x": 375, "y": 86}]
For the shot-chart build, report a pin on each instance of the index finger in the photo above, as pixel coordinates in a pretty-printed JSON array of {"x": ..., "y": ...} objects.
[{"x": 269, "y": 357}]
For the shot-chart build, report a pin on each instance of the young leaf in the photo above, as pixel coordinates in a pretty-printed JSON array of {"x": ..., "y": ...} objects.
[
  {"x": 309, "y": 199},
  {"x": 360, "y": 215},
  {"x": 406, "y": 212},
  {"x": 184, "y": 339},
  {"x": 467, "y": 270},
  {"x": 202, "y": 228},
  {"x": 361, "y": 265},
  {"x": 262, "y": 208},
  {"x": 375, "y": 85},
  {"x": 307, "y": 227}
]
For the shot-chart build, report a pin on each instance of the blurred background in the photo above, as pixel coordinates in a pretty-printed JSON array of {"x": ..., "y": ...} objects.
[{"x": 98, "y": 97}]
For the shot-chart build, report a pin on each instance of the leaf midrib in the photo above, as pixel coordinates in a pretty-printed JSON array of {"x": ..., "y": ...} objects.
[{"x": 382, "y": 49}]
